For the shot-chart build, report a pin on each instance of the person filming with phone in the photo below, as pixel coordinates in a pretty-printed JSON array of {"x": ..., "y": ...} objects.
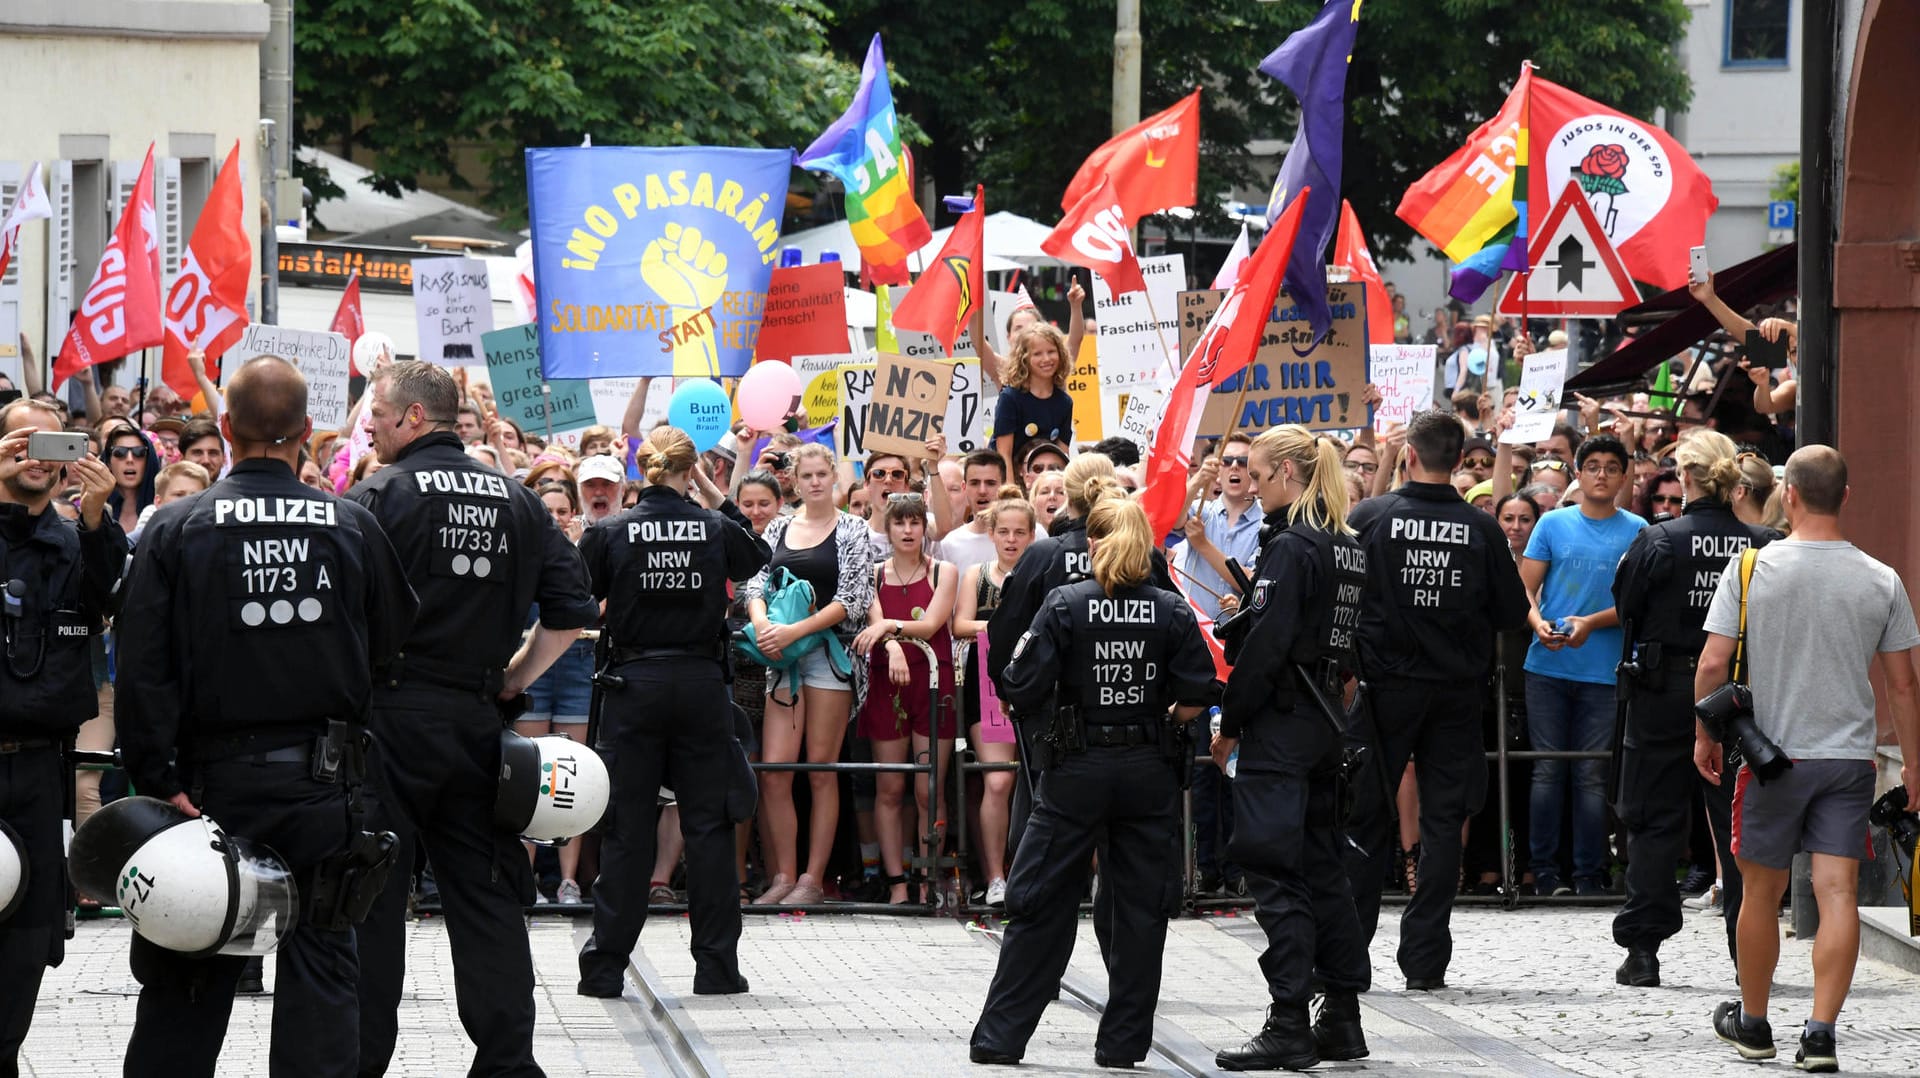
[
  {"x": 1793, "y": 632},
  {"x": 57, "y": 584}
]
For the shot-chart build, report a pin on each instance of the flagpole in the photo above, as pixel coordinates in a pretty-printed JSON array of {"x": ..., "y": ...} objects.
[
  {"x": 1166, "y": 351},
  {"x": 1240, "y": 398}
]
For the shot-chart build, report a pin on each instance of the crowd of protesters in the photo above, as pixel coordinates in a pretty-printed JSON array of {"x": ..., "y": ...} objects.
[{"x": 918, "y": 548}]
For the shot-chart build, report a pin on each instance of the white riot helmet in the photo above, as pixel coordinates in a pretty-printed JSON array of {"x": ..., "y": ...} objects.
[
  {"x": 184, "y": 884},
  {"x": 550, "y": 788},
  {"x": 13, "y": 871}
]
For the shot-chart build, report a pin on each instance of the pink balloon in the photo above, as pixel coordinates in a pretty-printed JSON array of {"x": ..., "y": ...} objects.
[{"x": 768, "y": 394}]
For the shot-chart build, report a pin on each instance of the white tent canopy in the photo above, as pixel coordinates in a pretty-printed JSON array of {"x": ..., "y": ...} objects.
[{"x": 1012, "y": 242}]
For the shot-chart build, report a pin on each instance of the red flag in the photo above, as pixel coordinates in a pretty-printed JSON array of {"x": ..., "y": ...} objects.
[
  {"x": 1094, "y": 234},
  {"x": 944, "y": 297},
  {"x": 1650, "y": 197},
  {"x": 121, "y": 310},
  {"x": 349, "y": 320},
  {"x": 1350, "y": 250},
  {"x": 1155, "y": 164},
  {"x": 1224, "y": 349},
  {"x": 207, "y": 306}
]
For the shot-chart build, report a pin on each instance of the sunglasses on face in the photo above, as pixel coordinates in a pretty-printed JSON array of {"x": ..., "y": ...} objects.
[
  {"x": 122, "y": 452},
  {"x": 1550, "y": 465},
  {"x": 1479, "y": 462},
  {"x": 887, "y": 473},
  {"x": 1667, "y": 499},
  {"x": 1233, "y": 462}
]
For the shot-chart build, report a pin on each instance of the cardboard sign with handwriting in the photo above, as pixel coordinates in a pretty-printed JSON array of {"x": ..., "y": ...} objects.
[
  {"x": 909, "y": 404},
  {"x": 321, "y": 357},
  {"x": 1320, "y": 386}
]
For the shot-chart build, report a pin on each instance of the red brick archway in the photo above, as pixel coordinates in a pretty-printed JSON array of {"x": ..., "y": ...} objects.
[{"x": 1877, "y": 288}]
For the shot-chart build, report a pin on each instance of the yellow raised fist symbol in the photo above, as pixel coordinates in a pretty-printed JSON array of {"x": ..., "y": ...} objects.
[{"x": 689, "y": 274}]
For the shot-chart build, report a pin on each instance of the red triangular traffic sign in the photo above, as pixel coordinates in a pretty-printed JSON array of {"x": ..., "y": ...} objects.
[{"x": 1576, "y": 271}]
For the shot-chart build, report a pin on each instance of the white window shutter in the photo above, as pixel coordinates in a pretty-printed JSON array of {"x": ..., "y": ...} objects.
[
  {"x": 11, "y": 175},
  {"x": 173, "y": 239},
  {"x": 60, "y": 267},
  {"x": 123, "y": 175}
]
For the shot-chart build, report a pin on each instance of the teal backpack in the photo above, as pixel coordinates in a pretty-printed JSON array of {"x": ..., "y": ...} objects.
[{"x": 790, "y": 600}]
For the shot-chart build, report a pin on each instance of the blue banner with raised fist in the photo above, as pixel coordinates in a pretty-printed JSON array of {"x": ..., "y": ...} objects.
[{"x": 653, "y": 261}]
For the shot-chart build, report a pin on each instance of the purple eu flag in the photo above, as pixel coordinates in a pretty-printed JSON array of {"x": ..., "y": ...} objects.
[{"x": 1312, "y": 62}]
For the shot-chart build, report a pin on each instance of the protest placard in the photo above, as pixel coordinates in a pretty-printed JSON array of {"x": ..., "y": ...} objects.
[
  {"x": 1083, "y": 386},
  {"x": 820, "y": 385},
  {"x": 513, "y": 366},
  {"x": 1145, "y": 406},
  {"x": 806, "y": 312},
  {"x": 1321, "y": 386},
  {"x": 1536, "y": 408},
  {"x": 1404, "y": 375},
  {"x": 964, "y": 423},
  {"x": 322, "y": 358},
  {"x": 452, "y": 309},
  {"x": 908, "y": 405},
  {"x": 1133, "y": 342}
]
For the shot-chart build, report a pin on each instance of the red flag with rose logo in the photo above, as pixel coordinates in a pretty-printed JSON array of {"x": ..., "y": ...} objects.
[{"x": 1649, "y": 196}]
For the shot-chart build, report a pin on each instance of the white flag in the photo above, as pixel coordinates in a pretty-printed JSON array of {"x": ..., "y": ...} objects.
[{"x": 30, "y": 203}]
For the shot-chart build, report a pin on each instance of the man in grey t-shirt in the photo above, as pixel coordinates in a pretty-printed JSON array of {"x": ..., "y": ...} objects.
[{"x": 1820, "y": 615}]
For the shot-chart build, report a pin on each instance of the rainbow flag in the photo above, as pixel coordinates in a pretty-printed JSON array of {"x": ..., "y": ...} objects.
[
  {"x": 863, "y": 149},
  {"x": 1476, "y": 199}
]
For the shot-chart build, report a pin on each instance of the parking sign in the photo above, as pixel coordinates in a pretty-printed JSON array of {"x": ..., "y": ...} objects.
[{"x": 1780, "y": 214}]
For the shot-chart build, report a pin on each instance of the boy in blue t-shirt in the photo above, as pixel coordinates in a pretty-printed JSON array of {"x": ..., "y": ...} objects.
[{"x": 1568, "y": 569}]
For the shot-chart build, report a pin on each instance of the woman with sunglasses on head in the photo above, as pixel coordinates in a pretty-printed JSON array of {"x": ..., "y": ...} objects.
[
  {"x": 912, "y": 599},
  {"x": 829, "y": 550},
  {"x": 1662, "y": 589}
]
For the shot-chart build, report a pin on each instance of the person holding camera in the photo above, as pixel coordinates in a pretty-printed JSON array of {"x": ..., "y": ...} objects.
[
  {"x": 1661, "y": 590},
  {"x": 1801, "y": 624}
]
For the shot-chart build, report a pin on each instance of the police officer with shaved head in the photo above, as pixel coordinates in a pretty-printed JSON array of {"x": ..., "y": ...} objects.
[
  {"x": 1441, "y": 582},
  {"x": 481, "y": 550},
  {"x": 254, "y": 615}
]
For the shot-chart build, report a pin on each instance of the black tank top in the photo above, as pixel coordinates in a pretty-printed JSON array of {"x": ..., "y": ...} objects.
[{"x": 818, "y": 565}]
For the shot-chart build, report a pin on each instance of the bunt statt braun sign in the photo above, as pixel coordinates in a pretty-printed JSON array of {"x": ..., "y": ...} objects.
[{"x": 331, "y": 265}]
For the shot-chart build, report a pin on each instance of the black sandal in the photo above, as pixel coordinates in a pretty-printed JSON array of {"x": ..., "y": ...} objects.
[{"x": 902, "y": 880}]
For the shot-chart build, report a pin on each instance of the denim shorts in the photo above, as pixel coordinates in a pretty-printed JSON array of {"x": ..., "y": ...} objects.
[
  {"x": 816, "y": 672},
  {"x": 564, "y": 693}
]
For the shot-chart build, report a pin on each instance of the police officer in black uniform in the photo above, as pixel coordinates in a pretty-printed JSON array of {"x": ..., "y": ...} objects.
[
  {"x": 1662, "y": 589},
  {"x": 1442, "y": 582},
  {"x": 1292, "y": 647},
  {"x": 1045, "y": 565},
  {"x": 1105, "y": 660},
  {"x": 480, "y": 549},
  {"x": 667, "y": 717},
  {"x": 56, "y": 583},
  {"x": 255, "y": 613}
]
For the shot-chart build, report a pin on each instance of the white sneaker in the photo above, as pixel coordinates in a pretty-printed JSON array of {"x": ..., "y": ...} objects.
[
  {"x": 568, "y": 893},
  {"x": 997, "y": 892},
  {"x": 1707, "y": 901}
]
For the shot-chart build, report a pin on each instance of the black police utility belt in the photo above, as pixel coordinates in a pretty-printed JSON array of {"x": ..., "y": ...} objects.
[
  {"x": 345, "y": 884},
  {"x": 1068, "y": 733},
  {"x": 405, "y": 669}
]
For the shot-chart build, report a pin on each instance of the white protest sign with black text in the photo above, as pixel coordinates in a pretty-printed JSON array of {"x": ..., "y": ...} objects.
[
  {"x": 1133, "y": 343},
  {"x": 452, "y": 310},
  {"x": 1537, "y": 407},
  {"x": 1404, "y": 375},
  {"x": 321, "y": 357}
]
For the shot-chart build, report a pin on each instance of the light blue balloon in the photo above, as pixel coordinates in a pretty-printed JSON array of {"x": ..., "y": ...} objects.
[{"x": 702, "y": 410}]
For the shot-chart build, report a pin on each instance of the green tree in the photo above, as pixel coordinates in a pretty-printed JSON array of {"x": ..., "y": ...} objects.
[
  {"x": 413, "y": 82},
  {"x": 1786, "y": 183},
  {"x": 1015, "y": 93}
]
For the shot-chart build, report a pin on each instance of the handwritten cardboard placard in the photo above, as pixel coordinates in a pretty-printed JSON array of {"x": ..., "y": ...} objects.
[
  {"x": 513, "y": 366},
  {"x": 806, "y": 312},
  {"x": 1537, "y": 406},
  {"x": 1320, "y": 386},
  {"x": 321, "y": 357},
  {"x": 820, "y": 385},
  {"x": 964, "y": 424},
  {"x": 1141, "y": 419},
  {"x": 1135, "y": 330},
  {"x": 1083, "y": 386},
  {"x": 452, "y": 309},
  {"x": 1404, "y": 375}
]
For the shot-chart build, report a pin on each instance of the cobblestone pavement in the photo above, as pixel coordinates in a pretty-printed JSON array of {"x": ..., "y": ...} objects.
[{"x": 1531, "y": 993}]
